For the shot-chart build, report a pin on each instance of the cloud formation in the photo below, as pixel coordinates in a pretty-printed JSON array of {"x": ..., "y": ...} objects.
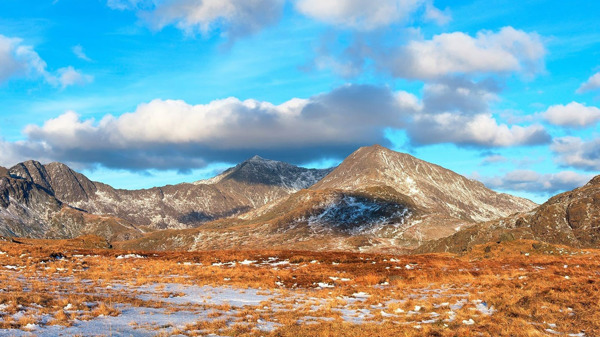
[
  {"x": 506, "y": 51},
  {"x": 232, "y": 18},
  {"x": 78, "y": 51},
  {"x": 577, "y": 153},
  {"x": 574, "y": 114},
  {"x": 173, "y": 134},
  {"x": 456, "y": 110},
  {"x": 533, "y": 182},
  {"x": 480, "y": 130},
  {"x": 19, "y": 60},
  {"x": 363, "y": 15},
  {"x": 593, "y": 83}
]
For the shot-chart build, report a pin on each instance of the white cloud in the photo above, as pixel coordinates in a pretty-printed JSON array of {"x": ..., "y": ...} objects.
[
  {"x": 593, "y": 83},
  {"x": 480, "y": 130},
  {"x": 232, "y": 18},
  {"x": 364, "y": 14},
  {"x": 460, "y": 95},
  {"x": 506, "y": 51},
  {"x": 436, "y": 15},
  {"x": 573, "y": 114},
  {"x": 530, "y": 181},
  {"x": 167, "y": 134},
  {"x": 493, "y": 159},
  {"x": 174, "y": 134},
  {"x": 78, "y": 51},
  {"x": 19, "y": 60},
  {"x": 69, "y": 76},
  {"x": 456, "y": 110},
  {"x": 575, "y": 152}
]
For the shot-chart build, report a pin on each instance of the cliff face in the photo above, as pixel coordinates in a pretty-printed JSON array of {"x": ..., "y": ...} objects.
[
  {"x": 25, "y": 207},
  {"x": 31, "y": 210}
]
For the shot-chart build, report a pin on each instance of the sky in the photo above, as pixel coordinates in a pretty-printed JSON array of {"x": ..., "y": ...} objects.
[{"x": 143, "y": 93}]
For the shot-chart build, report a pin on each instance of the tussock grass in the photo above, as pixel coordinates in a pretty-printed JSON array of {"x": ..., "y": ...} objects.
[{"x": 531, "y": 287}]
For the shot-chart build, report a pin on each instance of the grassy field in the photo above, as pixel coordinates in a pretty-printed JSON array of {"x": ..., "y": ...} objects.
[{"x": 517, "y": 288}]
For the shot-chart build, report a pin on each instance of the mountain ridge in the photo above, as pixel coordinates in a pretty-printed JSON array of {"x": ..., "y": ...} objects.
[
  {"x": 363, "y": 204},
  {"x": 258, "y": 181},
  {"x": 570, "y": 218}
]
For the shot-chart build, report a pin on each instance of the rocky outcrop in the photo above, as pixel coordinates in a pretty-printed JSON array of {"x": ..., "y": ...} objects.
[
  {"x": 571, "y": 218},
  {"x": 28, "y": 209}
]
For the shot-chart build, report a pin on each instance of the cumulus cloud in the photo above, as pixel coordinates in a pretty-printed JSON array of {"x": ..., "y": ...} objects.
[
  {"x": 530, "y": 181},
  {"x": 593, "y": 83},
  {"x": 70, "y": 76},
  {"x": 173, "y": 134},
  {"x": 460, "y": 95},
  {"x": 78, "y": 51},
  {"x": 480, "y": 130},
  {"x": 575, "y": 152},
  {"x": 456, "y": 110},
  {"x": 363, "y": 15},
  {"x": 434, "y": 14},
  {"x": 19, "y": 60},
  {"x": 509, "y": 50},
  {"x": 572, "y": 115},
  {"x": 233, "y": 18}
]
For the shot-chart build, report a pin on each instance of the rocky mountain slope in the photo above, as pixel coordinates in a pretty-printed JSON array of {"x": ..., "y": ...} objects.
[
  {"x": 430, "y": 186},
  {"x": 28, "y": 209},
  {"x": 571, "y": 218},
  {"x": 35, "y": 195},
  {"x": 377, "y": 199}
]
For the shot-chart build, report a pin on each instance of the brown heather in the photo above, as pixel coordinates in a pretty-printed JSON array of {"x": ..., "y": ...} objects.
[{"x": 526, "y": 282}]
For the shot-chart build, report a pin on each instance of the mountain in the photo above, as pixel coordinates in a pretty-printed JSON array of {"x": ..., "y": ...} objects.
[
  {"x": 571, "y": 218},
  {"x": 430, "y": 186},
  {"x": 376, "y": 199},
  {"x": 45, "y": 190},
  {"x": 29, "y": 208}
]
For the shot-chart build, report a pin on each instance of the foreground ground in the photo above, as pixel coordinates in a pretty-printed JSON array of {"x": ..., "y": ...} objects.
[{"x": 518, "y": 288}]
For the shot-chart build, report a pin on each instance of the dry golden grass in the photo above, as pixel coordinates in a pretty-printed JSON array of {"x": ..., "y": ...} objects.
[{"x": 531, "y": 286}]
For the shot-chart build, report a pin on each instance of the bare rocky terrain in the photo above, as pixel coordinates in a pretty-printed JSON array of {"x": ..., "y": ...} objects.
[
  {"x": 375, "y": 200},
  {"x": 571, "y": 218},
  {"x": 53, "y": 201}
]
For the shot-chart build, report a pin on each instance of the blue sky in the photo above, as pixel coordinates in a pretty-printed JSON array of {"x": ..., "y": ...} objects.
[{"x": 139, "y": 93}]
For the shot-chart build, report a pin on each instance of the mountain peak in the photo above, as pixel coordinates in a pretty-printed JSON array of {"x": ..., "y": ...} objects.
[
  {"x": 374, "y": 147},
  {"x": 594, "y": 181},
  {"x": 260, "y": 171},
  {"x": 377, "y": 152},
  {"x": 32, "y": 171},
  {"x": 431, "y": 186},
  {"x": 256, "y": 158}
]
